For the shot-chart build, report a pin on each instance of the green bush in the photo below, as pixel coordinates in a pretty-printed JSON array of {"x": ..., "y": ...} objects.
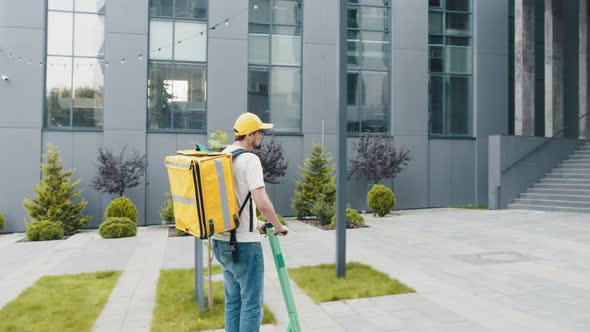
[
  {"x": 261, "y": 218},
  {"x": 381, "y": 199},
  {"x": 2, "y": 222},
  {"x": 353, "y": 219},
  {"x": 116, "y": 227},
  {"x": 121, "y": 207},
  {"x": 44, "y": 230},
  {"x": 167, "y": 212},
  {"x": 323, "y": 211}
]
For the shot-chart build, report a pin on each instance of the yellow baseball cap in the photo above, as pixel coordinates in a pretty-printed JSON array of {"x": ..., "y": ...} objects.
[{"x": 248, "y": 123}]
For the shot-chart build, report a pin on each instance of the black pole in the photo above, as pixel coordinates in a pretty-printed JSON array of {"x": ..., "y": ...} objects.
[{"x": 342, "y": 135}]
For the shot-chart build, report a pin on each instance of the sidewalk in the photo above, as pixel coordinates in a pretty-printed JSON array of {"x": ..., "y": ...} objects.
[{"x": 473, "y": 270}]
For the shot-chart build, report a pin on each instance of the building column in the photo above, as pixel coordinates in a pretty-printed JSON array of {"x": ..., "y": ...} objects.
[
  {"x": 584, "y": 121},
  {"x": 524, "y": 67},
  {"x": 554, "y": 110}
]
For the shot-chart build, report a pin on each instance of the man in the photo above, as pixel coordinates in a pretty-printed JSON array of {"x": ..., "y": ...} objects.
[{"x": 244, "y": 276}]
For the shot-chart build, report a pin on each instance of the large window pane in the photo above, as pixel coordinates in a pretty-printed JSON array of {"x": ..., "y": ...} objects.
[
  {"x": 353, "y": 101},
  {"x": 258, "y": 92},
  {"x": 375, "y": 50},
  {"x": 457, "y": 104},
  {"x": 435, "y": 23},
  {"x": 459, "y": 5},
  {"x": 258, "y": 49},
  {"x": 353, "y": 17},
  {"x": 161, "y": 8},
  {"x": 193, "y": 9},
  {"x": 374, "y": 18},
  {"x": 88, "y": 93},
  {"x": 436, "y": 59},
  {"x": 382, "y": 3},
  {"x": 94, "y": 6},
  {"x": 89, "y": 35},
  {"x": 285, "y": 100},
  {"x": 59, "y": 33},
  {"x": 458, "y": 24},
  {"x": 260, "y": 14},
  {"x": 160, "y": 95},
  {"x": 58, "y": 91},
  {"x": 189, "y": 90},
  {"x": 458, "y": 59},
  {"x": 161, "y": 40},
  {"x": 193, "y": 45},
  {"x": 374, "y": 101},
  {"x": 436, "y": 105},
  {"x": 354, "y": 49},
  {"x": 286, "y": 46},
  {"x": 286, "y": 12},
  {"x": 60, "y": 5}
]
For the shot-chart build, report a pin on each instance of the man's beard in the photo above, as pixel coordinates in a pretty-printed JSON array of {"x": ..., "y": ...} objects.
[{"x": 258, "y": 147}]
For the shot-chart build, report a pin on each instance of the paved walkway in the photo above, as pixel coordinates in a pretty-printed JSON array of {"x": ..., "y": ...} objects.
[{"x": 472, "y": 270}]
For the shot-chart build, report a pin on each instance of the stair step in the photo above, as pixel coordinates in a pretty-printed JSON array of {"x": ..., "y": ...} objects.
[
  {"x": 571, "y": 170},
  {"x": 558, "y": 198},
  {"x": 574, "y": 162},
  {"x": 573, "y": 165},
  {"x": 558, "y": 191},
  {"x": 562, "y": 186},
  {"x": 567, "y": 176},
  {"x": 548, "y": 202},
  {"x": 565, "y": 181},
  {"x": 579, "y": 157},
  {"x": 516, "y": 206}
]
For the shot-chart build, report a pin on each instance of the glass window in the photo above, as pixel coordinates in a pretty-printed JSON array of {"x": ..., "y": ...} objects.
[
  {"x": 258, "y": 92},
  {"x": 75, "y": 64},
  {"x": 274, "y": 55},
  {"x": 89, "y": 35},
  {"x": 375, "y": 50},
  {"x": 375, "y": 97},
  {"x": 88, "y": 92},
  {"x": 60, "y": 30},
  {"x": 353, "y": 17},
  {"x": 161, "y": 40},
  {"x": 192, "y": 9},
  {"x": 285, "y": 99},
  {"x": 353, "y": 112},
  {"x": 354, "y": 49},
  {"x": 450, "y": 57},
  {"x": 189, "y": 44},
  {"x": 374, "y": 18},
  {"x": 177, "y": 78}
]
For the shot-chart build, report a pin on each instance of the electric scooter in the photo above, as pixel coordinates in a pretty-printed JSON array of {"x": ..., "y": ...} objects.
[{"x": 293, "y": 325}]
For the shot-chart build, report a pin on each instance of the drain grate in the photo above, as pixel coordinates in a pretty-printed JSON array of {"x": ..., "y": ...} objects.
[{"x": 496, "y": 257}]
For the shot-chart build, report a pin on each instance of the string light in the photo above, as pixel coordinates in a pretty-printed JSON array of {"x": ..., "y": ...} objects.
[
  {"x": 226, "y": 23},
  {"x": 140, "y": 56},
  {"x": 123, "y": 61}
]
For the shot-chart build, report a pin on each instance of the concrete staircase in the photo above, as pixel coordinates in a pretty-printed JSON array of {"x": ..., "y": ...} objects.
[{"x": 565, "y": 188}]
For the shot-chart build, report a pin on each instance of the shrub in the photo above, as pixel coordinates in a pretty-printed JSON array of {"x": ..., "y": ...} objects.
[
  {"x": 2, "y": 223},
  {"x": 381, "y": 199},
  {"x": 44, "y": 230},
  {"x": 377, "y": 158},
  {"x": 118, "y": 173},
  {"x": 261, "y": 218},
  {"x": 323, "y": 211},
  {"x": 57, "y": 199},
  {"x": 353, "y": 219},
  {"x": 116, "y": 227},
  {"x": 317, "y": 183},
  {"x": 167, "y": 212},
  {"x": 274, "y": 165},
  {"x": 121, "y": 207}
]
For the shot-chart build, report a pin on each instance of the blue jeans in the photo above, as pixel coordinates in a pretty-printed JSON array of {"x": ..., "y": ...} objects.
[{"x": 244, "y": 285}]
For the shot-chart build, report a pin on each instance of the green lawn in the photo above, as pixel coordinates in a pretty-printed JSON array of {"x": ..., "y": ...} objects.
[
  {"x": 59, "y": 303},
  {"x": 176, "y": 309},
  {"x": 321, "y": 284}
]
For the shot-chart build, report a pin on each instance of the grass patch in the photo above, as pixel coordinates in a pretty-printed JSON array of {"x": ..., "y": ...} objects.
[
  {"x": 59, "y": 303},
  {"x": 321, "y": 284},
  {"x": 176, "y": 309},
  {"x": 471, "y": 207}
]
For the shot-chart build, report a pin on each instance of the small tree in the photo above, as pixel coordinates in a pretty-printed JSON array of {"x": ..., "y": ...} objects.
[
  {"x": 56, "y": 196},
  {"x": 317, "y": 183},
  {"x": 273, "y": 162},
  {"x": 116, "y": 173},
  {"x": 377, "y": 158},
  {"x": 217, "y": 140}
]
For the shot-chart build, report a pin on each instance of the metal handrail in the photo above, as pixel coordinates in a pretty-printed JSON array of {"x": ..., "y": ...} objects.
[{"x": 538, "y": 147}]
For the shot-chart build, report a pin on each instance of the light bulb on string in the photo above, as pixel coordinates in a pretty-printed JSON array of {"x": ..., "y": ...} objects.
[
  {"x": 122, "y": 61},
  {"x": 10, "y": 55},
  {"x": 140, "y": 56},
  {"x": 226, "y": 23},
  {"x": 29, "y": 61},
  {"x": 256, "y": 5},
  {"x": 20, "y": 58},
  {"x": 106, "y": 64}
]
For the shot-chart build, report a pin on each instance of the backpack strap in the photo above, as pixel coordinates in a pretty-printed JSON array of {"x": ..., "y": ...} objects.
[{"x": 232, "y": 234}]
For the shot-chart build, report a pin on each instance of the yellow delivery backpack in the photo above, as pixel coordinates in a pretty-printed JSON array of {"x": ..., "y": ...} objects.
[{"x": 202, "y": 188}]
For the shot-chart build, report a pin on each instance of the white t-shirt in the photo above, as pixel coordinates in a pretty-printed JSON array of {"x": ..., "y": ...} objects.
[{"x": 247, "y": 177}]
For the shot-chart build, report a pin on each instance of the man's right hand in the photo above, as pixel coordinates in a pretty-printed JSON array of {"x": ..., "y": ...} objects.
[{"x": 281, "y": 231}]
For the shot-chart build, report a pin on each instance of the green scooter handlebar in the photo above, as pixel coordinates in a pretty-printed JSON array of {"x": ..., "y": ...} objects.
[{"x": 277, "y": 254}]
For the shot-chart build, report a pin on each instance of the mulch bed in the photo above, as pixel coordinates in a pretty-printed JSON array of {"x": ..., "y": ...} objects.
[{"x": 318, "y": 224}]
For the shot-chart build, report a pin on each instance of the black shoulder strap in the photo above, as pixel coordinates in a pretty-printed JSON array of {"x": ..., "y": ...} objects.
[{"x": 232, "y": 234}]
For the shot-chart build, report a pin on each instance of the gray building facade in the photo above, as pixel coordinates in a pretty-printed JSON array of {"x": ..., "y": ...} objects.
[{"x": 439, "y": 71}]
